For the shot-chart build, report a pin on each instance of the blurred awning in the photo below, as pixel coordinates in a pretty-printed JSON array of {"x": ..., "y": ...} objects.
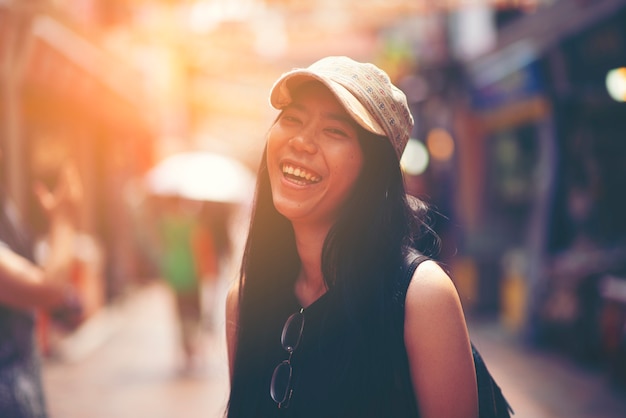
[
  {"x": 528, "y": 38},
  {"x": 87, "y": 57},
  {"x": 60, "y": 63}
]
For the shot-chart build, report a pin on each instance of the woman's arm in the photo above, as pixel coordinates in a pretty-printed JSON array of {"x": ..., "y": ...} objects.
[
  {"x": 232, "y": 323},
  {"x": 438, "y": 346}
]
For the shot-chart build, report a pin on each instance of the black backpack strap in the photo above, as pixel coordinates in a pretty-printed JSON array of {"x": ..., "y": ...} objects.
[{"x": 491, "y": 400}]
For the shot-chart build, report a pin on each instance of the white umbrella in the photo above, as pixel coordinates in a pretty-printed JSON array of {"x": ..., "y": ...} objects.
[{"x": 201, "y": 175}]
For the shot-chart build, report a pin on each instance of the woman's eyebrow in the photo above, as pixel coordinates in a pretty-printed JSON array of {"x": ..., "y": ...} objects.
[{"x": 296, "y": 106}]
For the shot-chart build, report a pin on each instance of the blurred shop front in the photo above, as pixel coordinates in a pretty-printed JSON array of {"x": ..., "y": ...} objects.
[
  {"x": 587, "y": 235},
  {"x": 509, "y": 120},
  {"x": 64, "y": 98},
  {"x": 541, "y": 179}
]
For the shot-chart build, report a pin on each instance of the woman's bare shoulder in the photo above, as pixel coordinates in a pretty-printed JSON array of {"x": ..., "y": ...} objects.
[
  {"x": 437, "y": 344},
  {"x": 430, "y": 275},
  {"x": 431, "y": 291}
]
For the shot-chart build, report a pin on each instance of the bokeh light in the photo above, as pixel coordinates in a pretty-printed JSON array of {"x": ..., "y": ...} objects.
[
  {"x": 415, "y": 158},
  {"x": 440, "y": 144},
  {"x": 616, "y": 84}
]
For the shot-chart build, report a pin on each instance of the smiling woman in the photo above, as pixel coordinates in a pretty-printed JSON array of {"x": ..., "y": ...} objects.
[
  {"x": 323, "y": 322},
  {"x": 313, "y": 156}
]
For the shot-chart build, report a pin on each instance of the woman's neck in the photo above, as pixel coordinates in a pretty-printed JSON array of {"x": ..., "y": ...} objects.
[{"x": 309, "y": 285}]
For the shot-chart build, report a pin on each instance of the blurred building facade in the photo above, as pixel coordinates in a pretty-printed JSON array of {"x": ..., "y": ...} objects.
[
  {"x": 65, "y": 97},
  {"x": 537, "y": 178}
]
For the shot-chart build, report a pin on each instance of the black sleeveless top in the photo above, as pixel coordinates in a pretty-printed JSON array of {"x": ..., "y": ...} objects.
[{"x": 339, "y": 371}]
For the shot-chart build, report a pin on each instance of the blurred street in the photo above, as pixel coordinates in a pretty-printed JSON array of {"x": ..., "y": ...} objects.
[
  {"x": 124, "y": 365},
  {"x": 540, "y": 384}
]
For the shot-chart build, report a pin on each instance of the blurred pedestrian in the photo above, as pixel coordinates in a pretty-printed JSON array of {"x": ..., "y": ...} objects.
[
  {"x": 322, "y": 322},
  {"x": 178, "y": 227},
  {"x": 26, "y": 286},
  {"x": 212, "y": 249}
]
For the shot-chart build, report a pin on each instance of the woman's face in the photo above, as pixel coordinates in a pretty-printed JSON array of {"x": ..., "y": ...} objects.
[{"x": 313, "y": 157}]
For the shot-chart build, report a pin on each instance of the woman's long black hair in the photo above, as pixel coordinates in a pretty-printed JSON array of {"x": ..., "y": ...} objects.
[{"x": 361, "y": 258}]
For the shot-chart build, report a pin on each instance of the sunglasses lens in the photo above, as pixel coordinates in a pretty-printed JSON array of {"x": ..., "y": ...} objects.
[
  {"x": 281, "y": 382},
  {"x": 280, "y": 386},
  {"x": 292, "y": 332}
]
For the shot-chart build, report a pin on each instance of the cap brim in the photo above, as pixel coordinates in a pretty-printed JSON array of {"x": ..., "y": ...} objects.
[{"x": 280, "y": 97}]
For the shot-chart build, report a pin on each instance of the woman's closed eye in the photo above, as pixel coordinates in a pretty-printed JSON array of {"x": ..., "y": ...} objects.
[
  {"x": 336, "y": 132},
  {"x": 290, "y": 118}
]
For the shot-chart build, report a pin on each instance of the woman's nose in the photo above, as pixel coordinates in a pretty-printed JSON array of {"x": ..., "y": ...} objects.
[{"x": 304, "y": 142}]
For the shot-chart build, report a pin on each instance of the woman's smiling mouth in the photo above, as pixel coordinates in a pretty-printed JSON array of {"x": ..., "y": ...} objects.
[{"x": 299, "y": 175}]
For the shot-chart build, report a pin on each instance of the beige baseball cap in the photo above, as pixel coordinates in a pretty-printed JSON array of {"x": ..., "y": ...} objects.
[{"x": 365, "y": 91}]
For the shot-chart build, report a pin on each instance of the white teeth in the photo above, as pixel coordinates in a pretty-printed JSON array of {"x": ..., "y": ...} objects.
[{"x": 301, "y": 173}]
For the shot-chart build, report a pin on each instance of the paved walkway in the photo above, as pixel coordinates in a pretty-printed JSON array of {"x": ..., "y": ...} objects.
[
  {"x": 541, "y": 384},
  {"x": 124, "y": 364}
]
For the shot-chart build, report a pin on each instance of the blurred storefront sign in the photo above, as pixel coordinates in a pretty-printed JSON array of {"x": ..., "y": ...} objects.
[
  {"x": 499, "y": 83},
  {"x": 513, "y": 97}
]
